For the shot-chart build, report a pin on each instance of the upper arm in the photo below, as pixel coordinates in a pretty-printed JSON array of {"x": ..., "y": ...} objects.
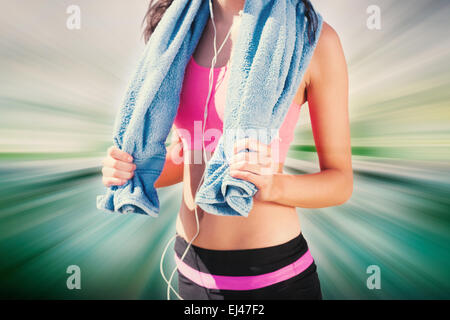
[
  {"x": 176, "y": 145},
  {"x": 172, "y": 172},
  {"x": 327, "y": 95}
]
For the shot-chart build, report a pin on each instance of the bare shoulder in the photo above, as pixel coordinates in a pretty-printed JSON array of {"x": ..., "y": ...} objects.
[
  {"x": 328, "y": 55},
  {"x": 328, "y": 38}
]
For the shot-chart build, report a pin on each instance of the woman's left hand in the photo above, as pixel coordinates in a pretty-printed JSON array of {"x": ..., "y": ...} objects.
[{"x": 255, "y": 166}]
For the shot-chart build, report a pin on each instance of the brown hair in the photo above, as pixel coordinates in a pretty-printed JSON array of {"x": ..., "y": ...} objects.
[{"x": 157, "y": 8}]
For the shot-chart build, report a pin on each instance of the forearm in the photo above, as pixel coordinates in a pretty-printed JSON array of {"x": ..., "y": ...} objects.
[
  {"x": 172, "y": 172},
  {"x": 330, "y": 187}
]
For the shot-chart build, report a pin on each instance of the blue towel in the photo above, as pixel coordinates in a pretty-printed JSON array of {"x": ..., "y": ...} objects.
[{"x": 268, "y": 62}]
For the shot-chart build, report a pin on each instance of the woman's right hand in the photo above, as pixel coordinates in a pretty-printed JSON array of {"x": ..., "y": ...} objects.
[{"x": 118, "y": 167}]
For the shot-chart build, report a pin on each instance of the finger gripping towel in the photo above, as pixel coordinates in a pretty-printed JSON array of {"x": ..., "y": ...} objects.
[{"x": 268, "y": 62}]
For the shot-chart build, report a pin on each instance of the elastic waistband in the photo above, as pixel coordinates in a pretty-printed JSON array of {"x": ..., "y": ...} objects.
[
  {"x": 212, "y": 281},
  {"x": 242, "y": 262},
  {"x": 245, "y": 269}
]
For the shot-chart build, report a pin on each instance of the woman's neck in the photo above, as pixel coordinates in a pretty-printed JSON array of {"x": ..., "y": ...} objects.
[{"x": 225, "y": 10}]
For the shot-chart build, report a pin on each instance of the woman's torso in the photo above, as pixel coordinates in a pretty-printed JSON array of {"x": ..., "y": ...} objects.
[{"x": 268, "y": 223}]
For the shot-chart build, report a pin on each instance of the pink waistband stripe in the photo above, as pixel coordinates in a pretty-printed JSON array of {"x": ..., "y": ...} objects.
[{"x": 211, "y": 281}]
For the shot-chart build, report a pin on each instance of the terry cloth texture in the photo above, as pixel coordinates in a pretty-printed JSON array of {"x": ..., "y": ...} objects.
[{"x": 268, "y": 61}]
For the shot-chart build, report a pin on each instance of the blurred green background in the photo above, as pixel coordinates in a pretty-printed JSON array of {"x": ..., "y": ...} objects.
[{"x": 59, "y": 93}]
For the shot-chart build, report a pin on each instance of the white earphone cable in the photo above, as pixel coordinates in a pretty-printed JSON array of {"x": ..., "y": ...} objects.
[{"x": 204, "y": 155}]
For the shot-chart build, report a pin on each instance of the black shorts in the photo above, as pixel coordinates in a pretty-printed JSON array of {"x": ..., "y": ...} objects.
[{"x": 249, "y": 262}]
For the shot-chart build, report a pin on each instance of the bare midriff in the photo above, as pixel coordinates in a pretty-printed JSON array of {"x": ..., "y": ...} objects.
[{"x": 267, "y": 224}]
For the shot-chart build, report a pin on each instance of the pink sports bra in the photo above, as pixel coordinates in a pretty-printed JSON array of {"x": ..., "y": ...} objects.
[{"x": 189, "y": 119}]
